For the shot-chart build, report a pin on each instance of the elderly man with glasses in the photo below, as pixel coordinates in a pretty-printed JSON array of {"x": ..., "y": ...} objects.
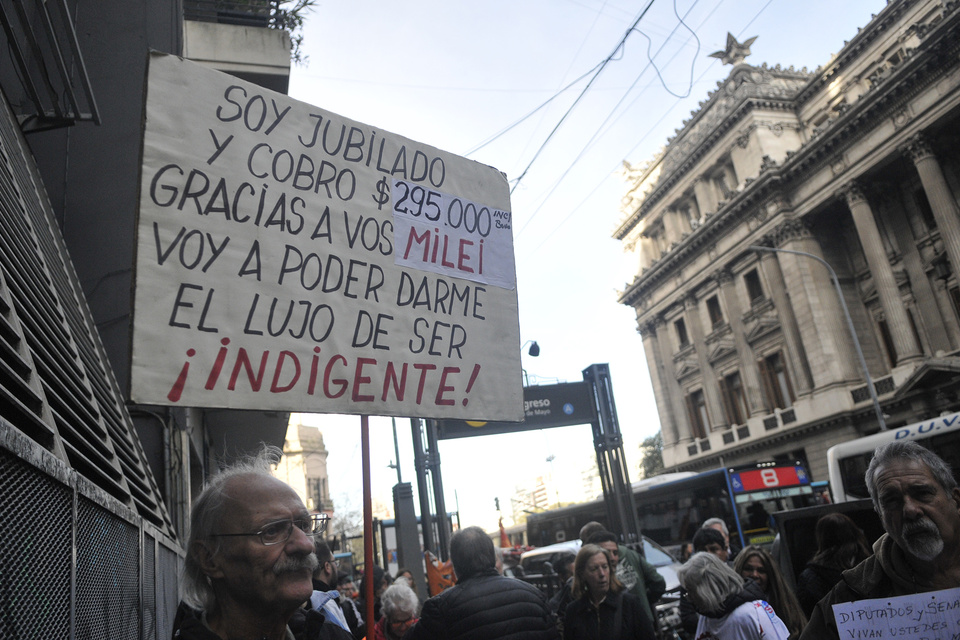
[{"x": 250, "y": 559}]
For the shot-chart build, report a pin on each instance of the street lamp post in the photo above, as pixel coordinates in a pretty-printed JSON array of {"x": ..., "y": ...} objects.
[
  {"x": 553, "y": 478},
  {"x": 846, "y": 313}
]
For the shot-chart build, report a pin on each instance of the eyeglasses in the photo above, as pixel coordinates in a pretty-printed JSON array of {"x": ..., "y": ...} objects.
[{"x": 280, "y": 531}]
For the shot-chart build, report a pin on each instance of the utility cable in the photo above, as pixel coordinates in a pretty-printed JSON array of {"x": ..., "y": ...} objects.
[
  {"x": 582, "y": 93},
  {"x": 649, "y": 131},
  {"x": 692, "y": 64},
  {"x": 616, "y": 107},
  {"x": 551, "y": 99},
  {"x": 524, "y": 118}
]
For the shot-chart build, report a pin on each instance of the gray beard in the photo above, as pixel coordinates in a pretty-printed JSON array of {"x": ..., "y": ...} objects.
[{"x": 922, "y": 540}]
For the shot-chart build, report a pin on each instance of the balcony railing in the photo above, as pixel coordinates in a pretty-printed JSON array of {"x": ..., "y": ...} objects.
[
  {"x": 248, "y": 13},
  {"x": 54, "y": 88}
]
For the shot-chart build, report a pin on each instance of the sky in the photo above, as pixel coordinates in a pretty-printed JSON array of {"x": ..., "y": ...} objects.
[{"x": 557, "y": 94}]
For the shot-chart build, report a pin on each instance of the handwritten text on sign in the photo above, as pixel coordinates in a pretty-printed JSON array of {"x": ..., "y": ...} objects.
[
  {"x": 268, "y": 274},
  {"x": 445, "y": 234},
  {"x": 925, "y": 616}
]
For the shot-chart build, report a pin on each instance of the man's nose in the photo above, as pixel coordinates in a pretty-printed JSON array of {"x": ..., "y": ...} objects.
[
  {"x": 300, "y": 542},
  {"x": 912, "y": 508}
]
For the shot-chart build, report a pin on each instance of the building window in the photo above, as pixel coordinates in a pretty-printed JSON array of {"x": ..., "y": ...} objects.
[
  {"x": 734, "y": 399},
  {"x": 713, "y": 308},
  {"x": 681, "y": 328},
  {"x": 754, "y": 289},
  {"x": 776, "y": 381},
  {"x": 697, "y": 408}
]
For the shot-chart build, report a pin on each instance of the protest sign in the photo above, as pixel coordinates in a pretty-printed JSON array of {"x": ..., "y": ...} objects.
[
  {"x": 289, "y": 258},
  {"x": 934, "y": 615}
]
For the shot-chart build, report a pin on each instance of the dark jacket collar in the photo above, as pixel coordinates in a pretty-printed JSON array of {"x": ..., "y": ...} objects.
[{"x": 483, "y": 573}]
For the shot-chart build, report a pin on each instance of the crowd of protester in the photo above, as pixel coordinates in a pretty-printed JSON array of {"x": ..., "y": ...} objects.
[{"x": 257, "y": 569}]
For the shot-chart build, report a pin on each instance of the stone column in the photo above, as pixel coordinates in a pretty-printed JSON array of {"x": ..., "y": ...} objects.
[
  {"x": 648, "y": 252},
  {"x": 671, "y": 226},
  {"x": 670, "y": 384},
  {"x": 884, "y": 280},
  {"x": 748, "y": 363},
  {"x": 813, "y": 298},
  {"x": 711, "y": 390},
  {"x": 661, "y": 391},
  {"x": 706, "y": 196},
  {"x": 796, "y": 354},
  {"x": 944, "y": 205}
]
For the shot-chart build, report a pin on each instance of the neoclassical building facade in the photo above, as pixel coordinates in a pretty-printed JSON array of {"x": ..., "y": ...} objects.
[{"x": 856, "y": 164}]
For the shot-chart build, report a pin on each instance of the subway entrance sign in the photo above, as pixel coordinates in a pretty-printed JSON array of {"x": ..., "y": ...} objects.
[{"x": 544, "y": 406}]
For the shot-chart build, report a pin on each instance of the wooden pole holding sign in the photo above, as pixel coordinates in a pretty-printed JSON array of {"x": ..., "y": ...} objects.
[{"x": 368, "y": 586}]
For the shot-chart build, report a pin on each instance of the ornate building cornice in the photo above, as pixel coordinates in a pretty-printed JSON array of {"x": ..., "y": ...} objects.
[
  {"x": 886, "y": 96},
  {"x": 754, "y": 195},
  {"x": 917, "y": 148},
  {"x": 747, "y": 89},
  {"x": 935, "y": 57},
  {"x": 793, "y": 229},
  {"x": 851, "y": 193},
  {"x": 878, "y": 26}
]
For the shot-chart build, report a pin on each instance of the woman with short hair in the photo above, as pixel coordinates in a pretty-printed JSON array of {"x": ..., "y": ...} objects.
[
  {"x": 729, "y": 607},
  {"x": 602, "y": 609},
  {"x": 400, "y": 607}
]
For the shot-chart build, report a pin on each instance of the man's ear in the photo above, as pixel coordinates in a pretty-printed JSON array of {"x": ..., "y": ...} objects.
[{"x": 208, "y": 560}]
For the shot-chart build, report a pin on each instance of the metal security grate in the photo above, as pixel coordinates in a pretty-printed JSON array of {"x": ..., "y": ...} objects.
[
  {"x": 87, "y": 551},
  {"x": 149, "y": 609},
  {"x": 55, "y": 383},
  {"x": 75, "y": 564},
  {"x": 35, "y": 552},
  {"x": 168, "y": 568},
  {"x": 108, "y": 580}
]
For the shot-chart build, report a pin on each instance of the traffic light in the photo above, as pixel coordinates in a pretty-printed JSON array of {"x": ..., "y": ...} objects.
[{"x": 496, "y": 501}]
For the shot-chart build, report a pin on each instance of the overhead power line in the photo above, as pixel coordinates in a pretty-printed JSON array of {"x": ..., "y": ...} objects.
[
  {"x": 582, "y": 93},
  {"x": 592, "y": 191}
]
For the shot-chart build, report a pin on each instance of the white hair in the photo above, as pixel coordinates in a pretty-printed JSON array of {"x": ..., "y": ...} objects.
[
  {"x": 708, "y": 581},
  {"x": 195, "y": 589},
  {"x": 712, "y": 521},
  {"x": 400, "y": 597}
]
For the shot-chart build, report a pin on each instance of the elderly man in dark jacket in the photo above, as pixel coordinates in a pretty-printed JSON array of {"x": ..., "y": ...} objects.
[
  {"x": 483, "y": 605},
  {"x": 918, "y": 500}
]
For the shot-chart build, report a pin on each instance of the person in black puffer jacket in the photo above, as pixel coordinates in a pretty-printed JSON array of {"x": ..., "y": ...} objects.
[{"x": 483, "y": 605}]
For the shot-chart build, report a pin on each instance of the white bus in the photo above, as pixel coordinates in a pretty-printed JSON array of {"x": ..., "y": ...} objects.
[{"x": 848, "y": 461}]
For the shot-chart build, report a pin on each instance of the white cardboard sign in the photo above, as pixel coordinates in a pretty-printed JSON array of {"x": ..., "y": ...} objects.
[
  {"x": 269, "y": 272},
  {"x": 925, "y": 616}
]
